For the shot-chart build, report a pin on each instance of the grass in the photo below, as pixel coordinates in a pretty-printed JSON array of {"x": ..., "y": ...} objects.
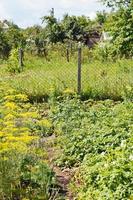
[{"x": 100, "y": 80}]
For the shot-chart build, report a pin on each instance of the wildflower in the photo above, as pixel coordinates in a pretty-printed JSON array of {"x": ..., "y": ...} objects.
[
  {"x": 9, "y": 117},
  {"x": 29, "y": 115}
]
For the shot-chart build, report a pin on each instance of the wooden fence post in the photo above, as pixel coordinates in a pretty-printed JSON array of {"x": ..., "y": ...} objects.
[
  {"x": 79, "y": 68},
  {"x": 21, "y": 59}
]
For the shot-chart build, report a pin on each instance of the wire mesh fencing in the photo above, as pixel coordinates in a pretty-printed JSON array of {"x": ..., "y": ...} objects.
[{"x": 76, "y": 71}]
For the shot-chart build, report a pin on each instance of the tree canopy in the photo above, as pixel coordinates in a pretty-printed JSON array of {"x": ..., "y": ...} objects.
[
  {"x": 118, "y": 3},
  {"x": 119, "y": 23}
]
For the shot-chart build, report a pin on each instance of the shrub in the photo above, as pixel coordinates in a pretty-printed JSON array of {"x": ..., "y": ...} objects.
[{"x": 13, "y": 64}]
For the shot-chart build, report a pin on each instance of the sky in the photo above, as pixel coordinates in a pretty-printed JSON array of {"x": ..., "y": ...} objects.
[{"x": 28, "y": 12}]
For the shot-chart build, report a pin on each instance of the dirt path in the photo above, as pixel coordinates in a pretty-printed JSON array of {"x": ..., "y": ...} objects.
[{"x": 63, "y": 176}]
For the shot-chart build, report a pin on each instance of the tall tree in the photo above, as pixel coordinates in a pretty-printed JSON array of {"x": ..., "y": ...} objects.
[
  {"x": 120, "y": 25},
  {"x": 53, "y": 29}
]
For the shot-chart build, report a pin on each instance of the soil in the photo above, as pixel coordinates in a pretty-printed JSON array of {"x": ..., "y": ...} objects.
[{"x": 63, "y": 176}]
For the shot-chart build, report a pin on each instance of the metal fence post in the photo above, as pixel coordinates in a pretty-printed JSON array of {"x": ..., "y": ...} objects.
[
  {"x": 67, "y": 53},
  {"x": 21, "y": 59},
  {"x": 79, "y": 68}
]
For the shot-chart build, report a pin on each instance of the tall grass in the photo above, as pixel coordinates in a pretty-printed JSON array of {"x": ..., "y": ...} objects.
[{"x": 100, "y": 80}]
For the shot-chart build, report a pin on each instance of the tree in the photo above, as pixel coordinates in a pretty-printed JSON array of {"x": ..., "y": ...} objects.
[
  {"x": 35, "y": 40},
  {"x": 117, "y": 3},
  {"x": 76, "y": 27},
  {"x": 14, "y": 36},
  {"x": 101, "y": 17},
  {"x": 4, "y": 45},
  {"x": 120, "y": 25},
  {"x": 53, "y": 30}
]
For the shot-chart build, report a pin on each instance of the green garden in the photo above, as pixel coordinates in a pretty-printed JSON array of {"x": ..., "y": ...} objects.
[{"x": 56, "y": 143}]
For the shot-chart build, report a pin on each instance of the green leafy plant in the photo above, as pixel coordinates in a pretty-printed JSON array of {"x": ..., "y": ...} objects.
[{"x": 96, "y": 137}]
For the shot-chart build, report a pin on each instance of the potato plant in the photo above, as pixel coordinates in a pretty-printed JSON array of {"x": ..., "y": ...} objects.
[{"x": 96, "y": 137}]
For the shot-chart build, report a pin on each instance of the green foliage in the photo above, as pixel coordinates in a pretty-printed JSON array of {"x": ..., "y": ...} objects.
[
  {"x": 97, "y": 136},
  {"x": 107, "y": 176},
  {"x": 122, "y": 41},
  {"x": 11, "y": 37},
  {"x": 102, "y": 52},
  {"x": 43, "y": 127},
  {"x": 54, "y": 31},
  {"x": 37, "y": 178},
  {"x": 100, "y": 80},
  {"x": 70, "y": 27},
  {"x": 121, "y": 19},
  {"x": 4, "y": 46},
  {"x": 117, "y": 3},
  {"x": 25, "y": 176},
  {"x": 14, "y": 36},
  {"x": 101, "y": 17},
  {"x": 24, "y": 172},
  {"x": 13, "y": 63},
  {"x": 75, "y": 27}
]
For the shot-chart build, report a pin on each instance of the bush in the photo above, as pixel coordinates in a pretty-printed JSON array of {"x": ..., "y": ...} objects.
[{"x": 13, "y": 63}]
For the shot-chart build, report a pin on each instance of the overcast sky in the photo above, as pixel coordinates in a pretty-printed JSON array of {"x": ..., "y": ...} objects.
[{"x": 29, "y": 12}]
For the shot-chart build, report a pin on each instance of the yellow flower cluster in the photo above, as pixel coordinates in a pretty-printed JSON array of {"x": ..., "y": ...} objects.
[{"x": 14, "y": 132}]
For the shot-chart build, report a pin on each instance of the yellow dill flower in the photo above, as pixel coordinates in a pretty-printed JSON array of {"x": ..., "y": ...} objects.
[
  {"x": 14, "y": 130},
  {"x": 2, "y": 134},
  {"x": 28, "y": 139},
  {"x": 29, "y": 115},
  {"x": 17, "y": 97},
  {"x": 9, "y": 117},
  {"x": 23, "y": 129},
  {"x": 9, "y": 123},
  {"x": 10, "y": 146},
  {"x": 9, "y": 98},
  {"x": 13, "y": 138},
  {"x": 21, "y": 97},
  {"x": 11, "y": 105},
  {"x": 18, "y": 146},
  {"x": 4, "y": 147}
]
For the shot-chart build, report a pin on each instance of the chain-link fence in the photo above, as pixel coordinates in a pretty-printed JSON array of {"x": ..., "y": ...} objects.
[{"x": 74, "y": 70}]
